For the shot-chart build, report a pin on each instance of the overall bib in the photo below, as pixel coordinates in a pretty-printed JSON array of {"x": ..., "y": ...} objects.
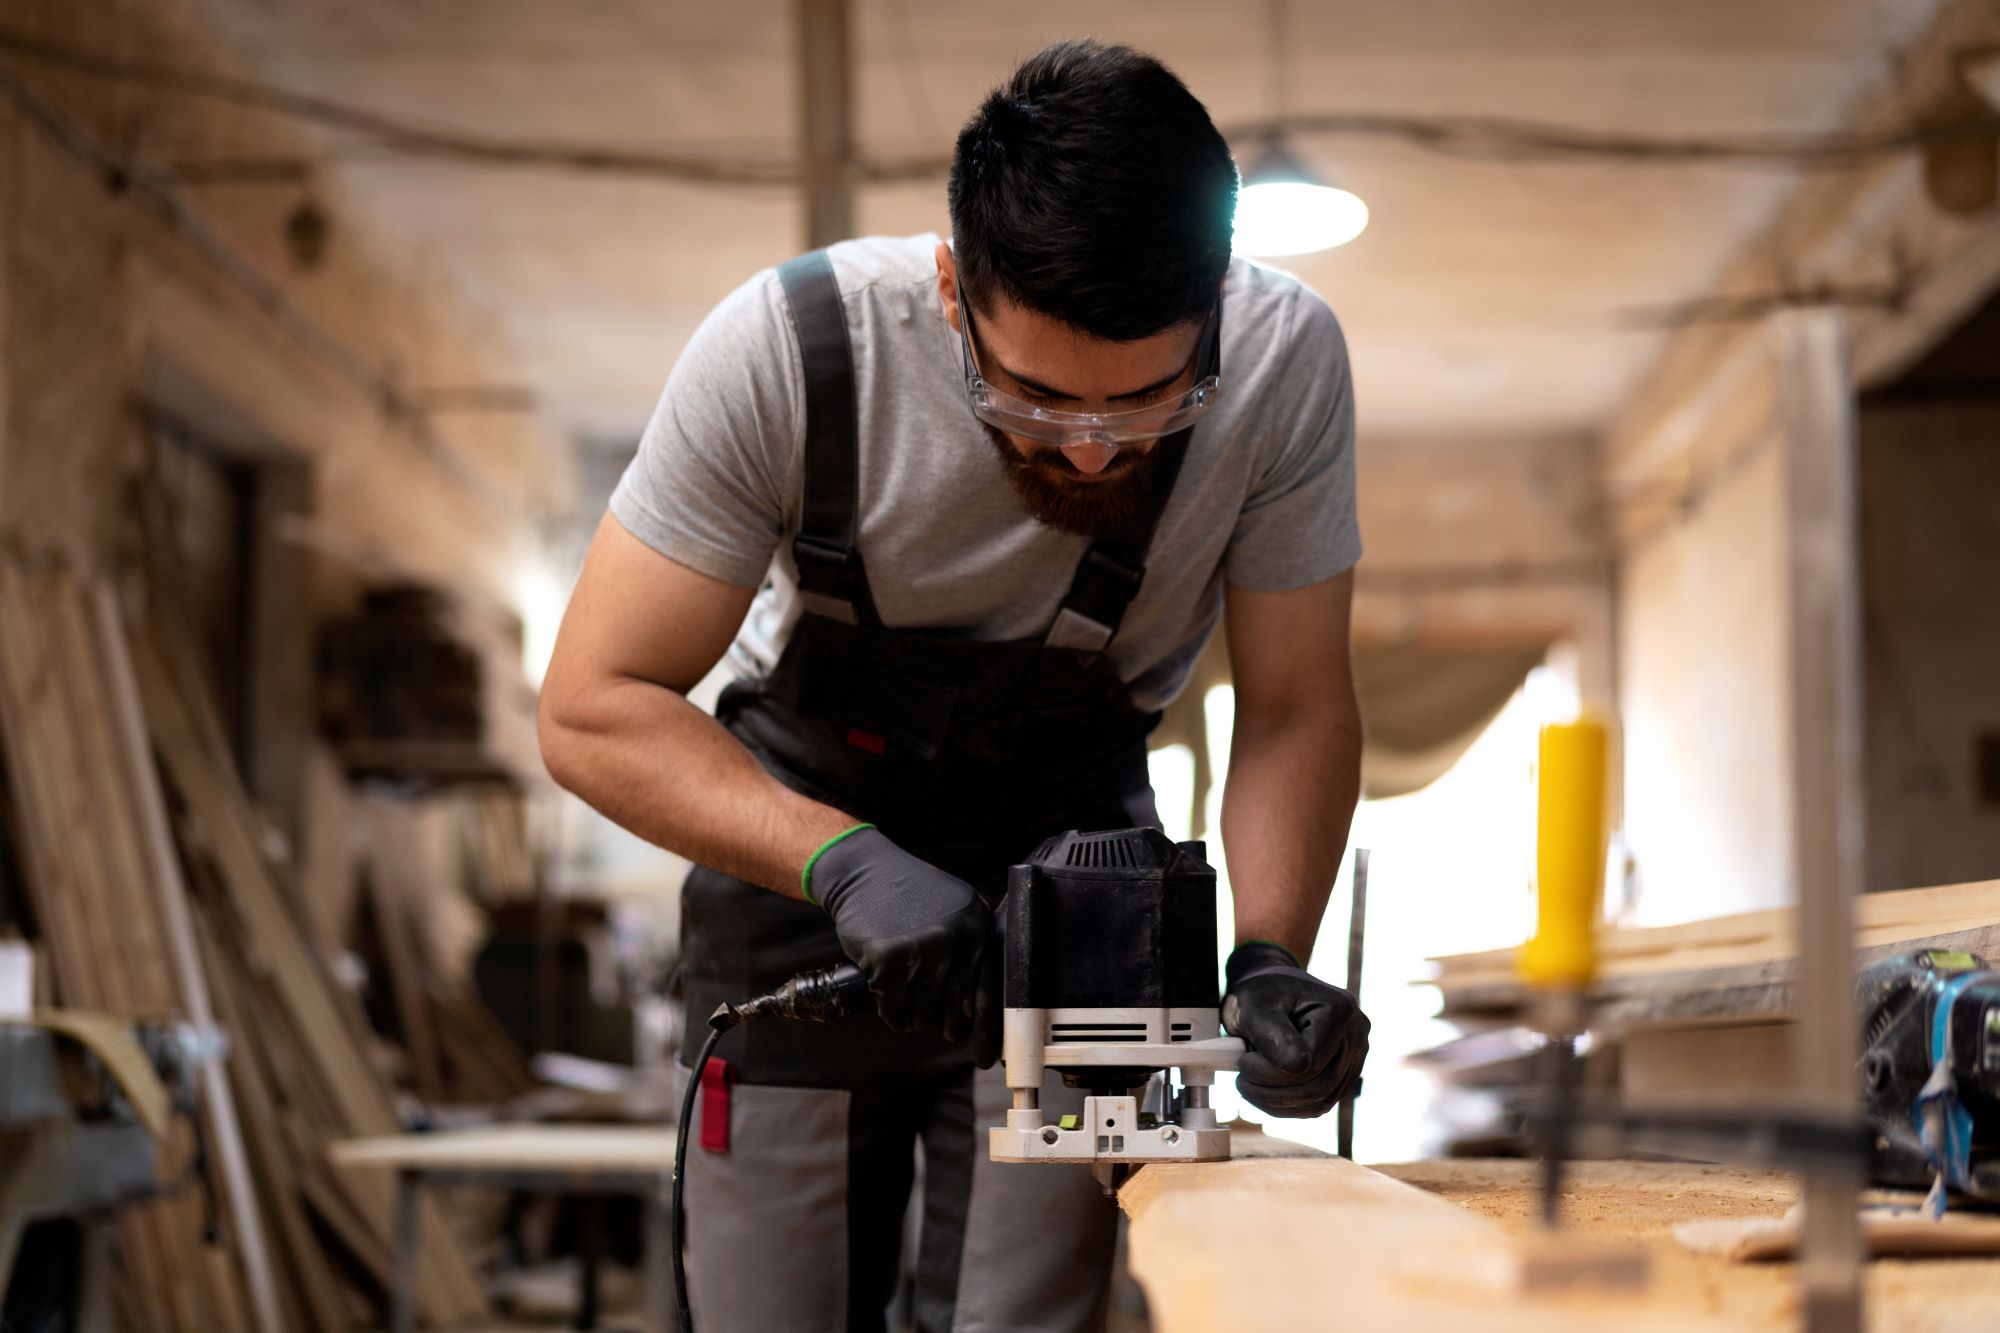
[{"x": 967, "y": 754}]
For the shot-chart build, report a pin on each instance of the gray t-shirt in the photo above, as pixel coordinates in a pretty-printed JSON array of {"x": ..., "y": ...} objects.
[{"x": 1265, "y": 497}]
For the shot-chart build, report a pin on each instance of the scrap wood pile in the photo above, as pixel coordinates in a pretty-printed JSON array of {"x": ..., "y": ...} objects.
[
  {"x": 141, "y": 856},
  {"x": 418, "y": 933}
]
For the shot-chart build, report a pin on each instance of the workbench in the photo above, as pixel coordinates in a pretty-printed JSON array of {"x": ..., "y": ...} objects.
[
  {"x": 1318, "y": 1243},
  {"x": 552, "y": 1159}
]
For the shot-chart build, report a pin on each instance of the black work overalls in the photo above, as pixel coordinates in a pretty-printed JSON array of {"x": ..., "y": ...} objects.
[{"x": 966, "y": 753}]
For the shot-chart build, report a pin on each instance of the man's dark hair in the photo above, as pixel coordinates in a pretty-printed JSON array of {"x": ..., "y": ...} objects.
[{"x": 1093, "y": 187}]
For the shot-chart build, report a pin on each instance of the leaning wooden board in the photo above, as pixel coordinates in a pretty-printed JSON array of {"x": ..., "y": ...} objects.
[
  {"x": 1316, "y": 1243},
  {"x": 96, "y": 905},
  {"x": 318, "y": 1062}
]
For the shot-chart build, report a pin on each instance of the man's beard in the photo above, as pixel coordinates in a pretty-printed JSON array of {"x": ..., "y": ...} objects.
[{"x": 1088, "y": 509}]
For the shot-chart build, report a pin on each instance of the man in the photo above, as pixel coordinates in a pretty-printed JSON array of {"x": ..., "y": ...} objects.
[{"x": 962, "y": 516}]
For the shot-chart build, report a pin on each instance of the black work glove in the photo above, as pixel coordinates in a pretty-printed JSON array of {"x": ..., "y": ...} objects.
[
  {"x": 923, "y": 937},
  {"x": 1307, "y": 1040}
]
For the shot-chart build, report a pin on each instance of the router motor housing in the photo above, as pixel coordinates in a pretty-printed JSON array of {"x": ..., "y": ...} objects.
[{"x": 1110, "y": 979}]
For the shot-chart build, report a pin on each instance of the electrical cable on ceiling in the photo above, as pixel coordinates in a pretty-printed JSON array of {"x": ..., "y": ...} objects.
[
  {"x": 1491, "y": 138},
  {"x": 130, "y": 176}
]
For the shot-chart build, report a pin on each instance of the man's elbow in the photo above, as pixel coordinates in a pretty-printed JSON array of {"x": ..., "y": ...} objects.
[
  {"x": 561, "y": 737},
  {"x": 1332, "y": 714}
]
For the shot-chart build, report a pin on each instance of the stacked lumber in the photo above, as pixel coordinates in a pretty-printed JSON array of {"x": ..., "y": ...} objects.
[
  {"x": 396, "y": 672},
  {"x": 304, "y": 1075},
  {"x": 153, "y": 900},
  {"x": 116, "y": 932},
  {"x": 1743, "y": 942}
]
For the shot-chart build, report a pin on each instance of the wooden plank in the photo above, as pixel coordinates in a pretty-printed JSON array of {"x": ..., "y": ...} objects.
[
  {"x": 313, "y": 1300},
  {"x": 1751, "y": 937},
  {"x": 581, "y": 1149},
  {"x": 1309, "y": 1243},
  {"x": 1713, "y": 1063},
  {"x": 218, "y": 1103},
  {"x": 139, "y": 930},
  {"x": 389, "y": 896},
  {"x": 187, "y": 739},
  {"x": 76, "y": 839},
  {"x": 50, "y": 877},
  {"x": 1888, "y": 1232}
]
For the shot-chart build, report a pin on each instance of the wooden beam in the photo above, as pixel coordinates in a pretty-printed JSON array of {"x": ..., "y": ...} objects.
[
  {"x": 826, "y": 119},
  {"x": 1837, "y": 227}
]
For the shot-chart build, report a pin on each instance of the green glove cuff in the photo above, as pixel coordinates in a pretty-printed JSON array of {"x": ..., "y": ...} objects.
[{"x": 805, "y": 875}]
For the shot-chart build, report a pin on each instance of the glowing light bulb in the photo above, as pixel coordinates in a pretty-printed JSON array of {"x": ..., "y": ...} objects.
[{"x": 1283, "y": 209}]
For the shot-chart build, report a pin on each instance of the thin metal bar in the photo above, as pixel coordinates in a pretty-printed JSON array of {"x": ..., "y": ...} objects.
[
  {"x": 1816, "y": 423},
  {"x": 1357, "y": 919}
]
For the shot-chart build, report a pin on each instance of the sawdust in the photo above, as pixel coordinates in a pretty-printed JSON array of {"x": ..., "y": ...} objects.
[{"x": 1644, "y": 1201}]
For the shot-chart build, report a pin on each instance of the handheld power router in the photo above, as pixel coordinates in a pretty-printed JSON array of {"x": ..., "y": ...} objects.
[{"x": 1110, "y": 982}]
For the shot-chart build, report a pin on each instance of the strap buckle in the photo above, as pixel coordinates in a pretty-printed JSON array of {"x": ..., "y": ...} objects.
[
  {"x": 829, "y": 577},
  {"x": 821, "y": 555},
  {"x": 1127, "y": 572}
]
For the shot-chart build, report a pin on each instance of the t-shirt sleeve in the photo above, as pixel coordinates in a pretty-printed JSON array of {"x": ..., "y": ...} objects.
[
  {"x": 1298, "y": 523},
  {"x": 717, "y": 473}
]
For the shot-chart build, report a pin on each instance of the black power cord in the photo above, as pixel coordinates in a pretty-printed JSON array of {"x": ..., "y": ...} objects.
[{"x": 818, "y": 997}]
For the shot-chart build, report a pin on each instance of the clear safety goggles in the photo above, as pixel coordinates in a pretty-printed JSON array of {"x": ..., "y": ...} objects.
[{"x": 1014, "y": 416}]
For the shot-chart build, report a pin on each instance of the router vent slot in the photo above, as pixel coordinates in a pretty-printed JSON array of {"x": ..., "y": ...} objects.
[{"x": 1117, "y": 853}]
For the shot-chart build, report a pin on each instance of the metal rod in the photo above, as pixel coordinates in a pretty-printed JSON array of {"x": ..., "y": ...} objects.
[
  {"x": 1816, "y": 422},
  {"x": 1357, "y": 918}
]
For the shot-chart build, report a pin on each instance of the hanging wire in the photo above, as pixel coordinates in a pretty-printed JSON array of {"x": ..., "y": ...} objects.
[
  {"x": 129, "y": 175},
  {"x": 1486, "y": 138},
  {"x": 399, "y": 133}
]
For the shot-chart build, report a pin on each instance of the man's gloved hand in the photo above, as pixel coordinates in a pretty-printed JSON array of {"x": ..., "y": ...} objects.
[
  {"x": 923, "y": 937},
  {"x": 1307, "y": 1040}
]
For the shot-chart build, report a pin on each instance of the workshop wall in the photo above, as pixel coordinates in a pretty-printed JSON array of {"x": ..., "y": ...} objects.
[
  {"x": 1930, "y": 550},
  {"x": 1704, "y": 693},
  {"x": 112, "y": 310}
]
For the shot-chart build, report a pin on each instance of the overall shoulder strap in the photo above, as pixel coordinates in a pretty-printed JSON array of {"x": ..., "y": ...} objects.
[
  {"x": 832, "y": 582},
  {"x": 1109, "y": 575}
]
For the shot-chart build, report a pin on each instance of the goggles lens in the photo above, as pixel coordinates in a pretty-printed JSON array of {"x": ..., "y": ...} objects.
[
  {"x": 1046, "y": 425},
  {"x": 1007, "y": 413}
]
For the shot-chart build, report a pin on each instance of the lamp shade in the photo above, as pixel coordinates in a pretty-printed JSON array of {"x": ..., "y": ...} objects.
[{"x": 1284, "y": 209}]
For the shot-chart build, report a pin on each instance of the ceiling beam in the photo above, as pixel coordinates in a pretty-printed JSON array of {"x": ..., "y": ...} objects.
[{"x": 826, "y": 120}]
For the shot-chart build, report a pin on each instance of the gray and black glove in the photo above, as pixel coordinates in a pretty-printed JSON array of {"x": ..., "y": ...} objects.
[
  {"x": 923, "y": 937},
  {"x": 1307, "y": 1040}
]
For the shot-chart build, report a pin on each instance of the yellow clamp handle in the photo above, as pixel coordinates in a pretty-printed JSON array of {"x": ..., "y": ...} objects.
[{"x": 1570, "y": 845}]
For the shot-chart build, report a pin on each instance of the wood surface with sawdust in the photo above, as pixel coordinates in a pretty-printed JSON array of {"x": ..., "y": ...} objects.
[{"x": 1321, "y": 1244}]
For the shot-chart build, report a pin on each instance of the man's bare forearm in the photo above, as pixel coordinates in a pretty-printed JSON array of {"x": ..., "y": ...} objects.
[
  {"x": 1286, "y": 808},
  {"x": 663, "y": 769}
]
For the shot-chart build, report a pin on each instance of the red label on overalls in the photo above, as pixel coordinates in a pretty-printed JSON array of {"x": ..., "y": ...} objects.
[
  {"x": 715, "y": 1081},
  {"x": 867, "y": 740}
]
